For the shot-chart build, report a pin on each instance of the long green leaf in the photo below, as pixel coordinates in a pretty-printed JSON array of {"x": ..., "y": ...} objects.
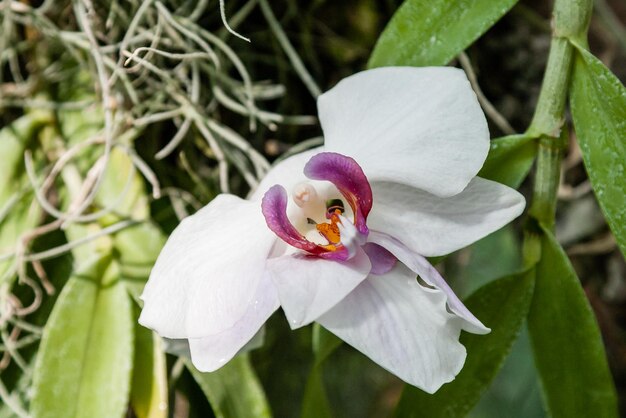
[
  {"x": 14, "y": 140},
  {"x": 148, "y": 395},
  {"x": 598, "y": 102},
  {"x": 18, "y": 210},
  {"x": 424, "y": 32},
  {"x": 510, "y": 159},
  {"x": 315, "y": 403},
  {"x": 502, "y": 305},
  {"x": 566, "y": 341},
  {"x": 85, "y": 359},
  {"x": 234, "y": 390},
  {"x": 123, "y": 188}
]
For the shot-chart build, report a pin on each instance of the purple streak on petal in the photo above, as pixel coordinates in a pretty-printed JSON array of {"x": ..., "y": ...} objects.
[
  {"x": 431, "y": 276},
  {"x": 274, "y": 208},
  {"x": 348, "y": 177},
  {"x": 382, "y": 260}
]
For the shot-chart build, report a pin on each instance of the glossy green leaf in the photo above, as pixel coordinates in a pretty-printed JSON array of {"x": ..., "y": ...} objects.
[
  {"x": 84, "y": 364},
  {"x": 598, "y": 102},
  {"x": 234, "y": 390},
  {"x": 423, "y": 33},
  {"x": 148, "y": 395},
  {"x": 567, "y": 344},
  {"x": 510, "y": 159},
  {"x": 502, "y": 305}
]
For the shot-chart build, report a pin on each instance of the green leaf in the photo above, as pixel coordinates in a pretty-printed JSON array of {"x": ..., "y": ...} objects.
[
  {"x": 14, "y": 140},
  {"x": 567, "y": 344},
  {"x": 138, "y": 247},
  {"x": 85, "y": 358},
  {"x": 315, "y": 403},
  {"x": 19, "y": 212},
  {"x": 234, "y": 390},
  {"x": 598, "y": 102},
  {"x": 148, "y": 395},
  {"x": 510, "y": 159},
  {"x": 122, "y": 188},
  {"x": 424, "y": 32},
  {"x": 516, "y": 387},
  {"x": 324, "y": 343},
  {"x": 502, "y": 305}
]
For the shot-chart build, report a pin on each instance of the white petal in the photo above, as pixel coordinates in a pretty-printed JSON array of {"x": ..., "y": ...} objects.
[
  {"x": 430, "y": 275},
  {"x": 418, "y": 126},
  {"x": 180, "y": 347},
  {"x": 402, "y": 326},
  {"x": 309, "y": 286},
  {"x": 209, "y": 270},
  {"x": 433, "y": 226},
  {"x": 287, "y": 173},
  {"x": 212, "y": 352}
]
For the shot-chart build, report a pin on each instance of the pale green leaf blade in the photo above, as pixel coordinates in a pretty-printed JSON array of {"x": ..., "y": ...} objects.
[
  {"x": 14, "y": 140},
  {"x": 567, "y": 344},
  {"x": 19, "y": 212},
  {"x": 122, "y": 188},
  {"x": 510, "y": 159},
  {"x": 234, "y": 390},
  {"x": 148, "y": 395},
  {"x": 424, "y": 33},
  {"x": 598, "y": 102},
  {"x": 85, "y": 359},
  {"x": 502, "y": 305}
]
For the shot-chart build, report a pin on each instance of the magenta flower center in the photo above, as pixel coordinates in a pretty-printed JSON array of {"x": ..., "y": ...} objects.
[{"x": 329, "y": 220}]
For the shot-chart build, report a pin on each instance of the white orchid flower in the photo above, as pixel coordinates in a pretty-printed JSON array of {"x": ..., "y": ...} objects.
[{"x": 337, "y": 235}]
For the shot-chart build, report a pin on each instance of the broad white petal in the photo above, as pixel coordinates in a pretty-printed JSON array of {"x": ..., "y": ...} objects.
[
  {"x": 208, "y": 271},
  {"x": 430, "y": 275},
  {"x": 433, "y": 226},
  {"x": 309, "y": 286},
  {"x": 212, "y": 352},
  {"x": 418, "y": 126},
  {"x": 402, "y": 326},
  {"x": 287, "y": 173}
]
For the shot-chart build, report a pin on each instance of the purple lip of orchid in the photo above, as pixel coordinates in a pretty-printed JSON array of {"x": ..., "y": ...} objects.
[{"x": 348, "y": 177}]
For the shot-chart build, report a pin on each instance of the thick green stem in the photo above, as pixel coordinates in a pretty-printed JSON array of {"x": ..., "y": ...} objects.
[
  {"x": 548, "y": 124},
  {"x": 571, "y": 21},
  {"x": 543, "y": 207},
  {"x": 549, "y": 114}
]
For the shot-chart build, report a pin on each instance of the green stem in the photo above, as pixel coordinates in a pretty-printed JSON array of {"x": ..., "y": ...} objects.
[
  {"x": 548, "y": 124},
  {"x": 570, "y": 21}
]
